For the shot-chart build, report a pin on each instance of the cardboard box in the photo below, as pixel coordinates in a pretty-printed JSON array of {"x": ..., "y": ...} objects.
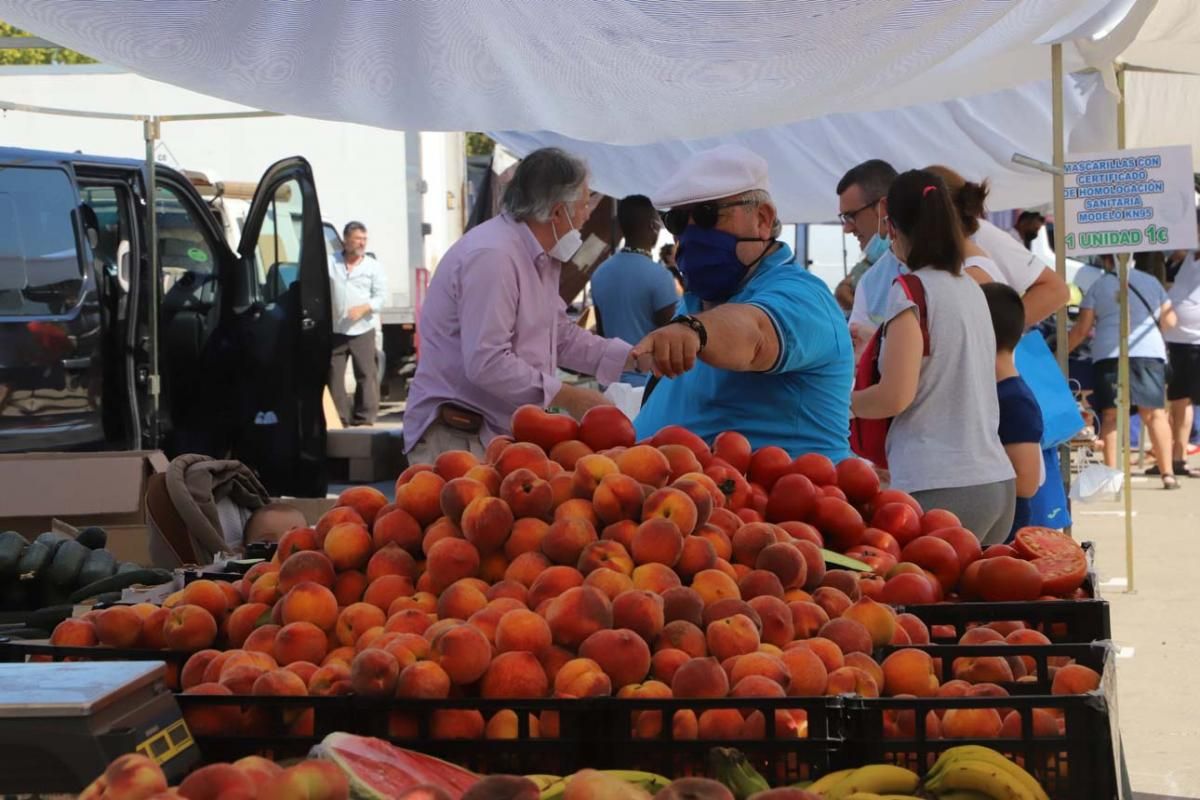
[
  {"x": 311, "y": 507},
  {"x": 81, "y": 489}
]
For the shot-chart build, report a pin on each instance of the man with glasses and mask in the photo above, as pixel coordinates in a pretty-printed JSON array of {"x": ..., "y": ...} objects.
[
  {"x": 760, "y": 345},
  {"x": 862, "y": 194},
  {"x": 493, "y": 327}
]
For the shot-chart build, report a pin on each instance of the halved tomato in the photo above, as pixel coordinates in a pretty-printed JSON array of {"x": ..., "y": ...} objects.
[
  {"x": 1034, "y": 542},
  {"x": 1062, "y": 573}
]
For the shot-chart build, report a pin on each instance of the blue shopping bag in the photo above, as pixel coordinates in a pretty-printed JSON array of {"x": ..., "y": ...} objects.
[{"x": 1038, "y": 367}]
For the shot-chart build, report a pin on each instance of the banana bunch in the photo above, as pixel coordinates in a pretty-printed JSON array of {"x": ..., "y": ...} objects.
[
  {"x": 872, "y": 782},
  {"x": 554, "y": 787},
  {"x": 971, "y": 772},
  {"x": 730, "y": 767}
]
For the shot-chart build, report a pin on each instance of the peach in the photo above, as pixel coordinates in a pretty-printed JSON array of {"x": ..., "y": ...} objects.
[
  {"x": 450, "y": 560},
  {"x": 348, "y": 546},
  {"x": 423, "y": 680},
  {"x": 522, "y": 455},
  {"x": 664, "y": 663},
  {"x": 553, "y": 658},
  {"x": 910, "y": 671},
  {"x": 208, "y": 595},
  {"x": 188, "y": 627},
  {"x": 645, "y": 464},
  {"x": 442, "y": 528},
  {"x": 374, "y": 673},
  {"x": 1043, "y": 722},
  {"x": 759, "y": 583},
  {"x": 463, "y": 652},
  {"x": 777, "y": 626},
  {"x": 568, "y": 453},
  {"x": 713, "y": 585},
  {"x": 879, "y": 620},
  {"x": 407, "y": 647},
  {"x": 617, "y": 497},
  {"x": 682, "y": 602},
  {"x": 609, "y": 581},
  {"x": 604, "y": 555},
  {"x": 833, "y": 601},
  {"x": 732, "y": 636},
  {"x": 486, "y": 523},
  {"x": 119, "y": 626},
  {"x": 260, "y": 770},
  {"x": 354, "y": 620},
  {"x": 195, "y": 667},
  {"x": 763, "y": 665},
  {"x": 239, "y": 679},
  {"x": 916, "y": 629},
  {"x": 700, "y": 678},
  {"x": 313, "y": 780},
  {"x": 345, "y": 655},
  {"x": 851, "y": 680},
  {"x": 813, "y": 560},
  {"x": 807, "y": 673},
  {"x": 844, "y": 581},
  {"x": 421, "y": 496},
  {"x": 262, "y": 640},
  {"x": 294, "y": 541},
  {"x": 522, "y": 630},
  {"x": 307, "y": 565},
  {"x": 655, "y": 577},
  {"x": 514, "y": 675},
  {"x": 280, "y": 683},
  {"x": 577, "y": 613},
  {"x": 566, "y": 539},
  {"x": 552, "y": 582},
  {"x": 590, "y": 472},
  {"x": 721, "y": 723},
  {"x": 785, "y": 561},
  {"x": 265, "y": 589},
  {"x": 510, "y": 589},
  {"x": 1075, "y": 679},
  {"x": 981, "y": 636},
  {"x": 971, "y": 723},
  {"x": 525, "y": 568},
  {"x": 680, "y": 458},
  {"x": 391, "y": 559},
  {"x": 582, "y": 677},
  {"x": 622, "y": 532},
  {"x": 300, "y": 641},
  {"x": 698, "y": 554},
  {"x": 703, "y": 493},
  {"x": 408, "y": 620},
  {"x": 336, "y": 516},
  {"x": 639, "y": 611},
  {"x": 397, "y": 527},
  {"x": 562, "y": 488},
  {"x": 983, "y": 669},
  {"x": 685, "y": 636},
  {"x": 850, "y": 636},
  {"x": 751, "y": 539},
  {"x": 827, "y": 650},
  {"x": 386, "y": 589},
  {"x": 526, "y": 537},
  {"x": 527, "y": 494},
  {"x": 621, "y": 653},
  {"x": 505, "y": 724},
  {"x": 722, "y": 609},
  {"x": 460, "y": 600},
  {"x": 348, "y": 587},
  {"x": 575, "y": 508},
  {"x": 657, "y": 540},
  {"x": 454, "y": 464},
  {"x": 487, "y": 475},
  {"x": 673, "y": 505},
  {"x": 310, "y": 602}
]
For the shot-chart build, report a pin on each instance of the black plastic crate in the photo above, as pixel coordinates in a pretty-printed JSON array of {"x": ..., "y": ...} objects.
[
  {"x": 1078, "y": 763},
  {"x": 781, "y": 756},
  {"x": 1063, "y": 621},
  {"x": 288, "y": 727}
]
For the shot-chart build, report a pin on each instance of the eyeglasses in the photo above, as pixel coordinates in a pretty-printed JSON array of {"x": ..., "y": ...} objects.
[
  {"x": 702, "y": 214},
  {"x": 847, "y": 217}
]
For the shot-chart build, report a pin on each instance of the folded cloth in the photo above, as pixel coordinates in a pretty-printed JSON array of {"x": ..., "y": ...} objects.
[{"x": 193, "y": 515}]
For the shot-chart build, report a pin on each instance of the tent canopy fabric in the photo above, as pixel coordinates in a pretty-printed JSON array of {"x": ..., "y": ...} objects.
[{"x": 616, "y": 71}]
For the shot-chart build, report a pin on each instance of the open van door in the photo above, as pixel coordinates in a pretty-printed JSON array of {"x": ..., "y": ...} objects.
[{"x": 281, "y": 325}]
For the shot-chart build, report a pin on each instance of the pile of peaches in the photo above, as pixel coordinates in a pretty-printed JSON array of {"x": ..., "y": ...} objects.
[{"x": 576, "y": 562}]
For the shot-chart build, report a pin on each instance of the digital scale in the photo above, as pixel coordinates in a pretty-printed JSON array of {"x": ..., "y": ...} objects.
[{"x": 61, "y": 724}]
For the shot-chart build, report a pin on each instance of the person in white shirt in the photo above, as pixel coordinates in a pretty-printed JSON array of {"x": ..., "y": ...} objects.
[
  {"x": 1183, "y": 354},
  {"x": 358, "y": 289}
]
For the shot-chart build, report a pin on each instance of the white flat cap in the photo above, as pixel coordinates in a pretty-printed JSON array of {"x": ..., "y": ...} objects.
[{"x": 712, "y": 174}]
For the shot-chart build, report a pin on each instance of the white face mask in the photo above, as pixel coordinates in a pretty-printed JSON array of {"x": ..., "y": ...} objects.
[{"x": 568, "y": 245}]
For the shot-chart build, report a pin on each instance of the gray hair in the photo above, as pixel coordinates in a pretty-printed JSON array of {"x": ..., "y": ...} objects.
[
  {"x": 762, "y": 197},
  {"x": 542, "y": 180}
]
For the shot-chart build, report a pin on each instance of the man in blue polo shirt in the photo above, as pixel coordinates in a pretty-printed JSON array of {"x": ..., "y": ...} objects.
[{"x": 760, "y": 345}]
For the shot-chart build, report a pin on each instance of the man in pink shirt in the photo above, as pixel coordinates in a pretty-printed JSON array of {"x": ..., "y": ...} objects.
[{"x": 494, "y": 329}]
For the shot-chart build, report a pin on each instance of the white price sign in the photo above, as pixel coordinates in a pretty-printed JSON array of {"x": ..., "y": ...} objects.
[{"x": 1130, "y": 200}]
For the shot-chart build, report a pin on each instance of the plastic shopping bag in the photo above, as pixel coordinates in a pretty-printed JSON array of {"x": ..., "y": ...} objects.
[
  {"x": 1097, "y": 483},
  {"x": 1039, "y": 369},
  {"x": 626, "y": 397}
]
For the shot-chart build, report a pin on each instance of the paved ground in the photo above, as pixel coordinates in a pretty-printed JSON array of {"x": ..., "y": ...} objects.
[{"x": 1157, "y": 628}]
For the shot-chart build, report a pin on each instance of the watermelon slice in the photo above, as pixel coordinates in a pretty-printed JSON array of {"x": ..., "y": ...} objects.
[{"x": 378, "y": 770}]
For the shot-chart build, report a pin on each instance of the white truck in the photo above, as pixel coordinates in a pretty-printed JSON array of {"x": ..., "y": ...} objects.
[{"x": 409, "y": 189}]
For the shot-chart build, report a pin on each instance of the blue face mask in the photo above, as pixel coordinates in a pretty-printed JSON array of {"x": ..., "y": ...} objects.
[
  {"x": 709, "y": 262},
  {"x": 876, "y": 248}
]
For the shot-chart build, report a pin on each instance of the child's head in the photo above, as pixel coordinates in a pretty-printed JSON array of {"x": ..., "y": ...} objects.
[
  {"x": 1008, "y": 315},
  {"x": 272, "y": 521}
]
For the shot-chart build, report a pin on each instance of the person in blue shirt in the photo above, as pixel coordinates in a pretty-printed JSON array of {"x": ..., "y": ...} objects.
[
  {"x": 634, "y": 295},
  {"x": 1150, "y": 313},
  {"x": 1020, "y": 417},
  {"x": 760, "y": 345}
]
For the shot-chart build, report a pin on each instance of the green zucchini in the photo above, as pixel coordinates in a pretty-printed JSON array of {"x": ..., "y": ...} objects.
[
  {"x": 68, "y": 561},
  {"x": 129, "y": 566},
  {"x": 53, "y": 539},
  {"x": 34, "y": 561},
  {"x": 12, "y": 544},
  {"x": 148, "y": 577},
  {"x": 93, "y": 538},
  {"x": 98, "y": 565}
]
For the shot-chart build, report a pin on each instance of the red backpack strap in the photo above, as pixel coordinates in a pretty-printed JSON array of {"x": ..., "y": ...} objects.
[{"x": 914, "y": 290}]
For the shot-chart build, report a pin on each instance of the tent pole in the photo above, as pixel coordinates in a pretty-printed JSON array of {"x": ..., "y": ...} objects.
[
  {"x": 1060, "y": 233},
  {"x": 1123, "y": 397},
  {"x": 152, "y": 131}
]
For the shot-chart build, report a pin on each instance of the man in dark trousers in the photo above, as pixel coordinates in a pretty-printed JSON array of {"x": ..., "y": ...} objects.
[{"x": 358, "y": 289}]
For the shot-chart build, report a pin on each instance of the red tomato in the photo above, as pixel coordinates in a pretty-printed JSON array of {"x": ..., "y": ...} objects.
[
  {"x": 1034, "y": 543},
  {"x": 935, "y": 555},
  {"x": 963, "y": 542},
  {"x": 733, "y": 448},
  {"x": 817, "y": 468},
  {"x": 894, "y": 496},
  {"x": 999, "y": 550},
  {"x": 1005, "y": 578},
  {"x": 899, "y": 520},
  {"x": 730, "y": 482},
  {"x": 857, "y": 479},
  {"x": 804, "y": 531},
  {"x": 792, "y": 498},
  {"x": 677, "y": 434},
  {"x": 881, "y": 540},
  {"x": 1062, "y": 573},
  {"x": 880, "y": 561},
  {"x": 768, "y": 465},
  {"x": 839, "y": 523},
  {"x": 938, "y": 518}
]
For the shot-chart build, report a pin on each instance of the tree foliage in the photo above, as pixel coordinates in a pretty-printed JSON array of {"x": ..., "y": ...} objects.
[
  {"x": 479, "y": 144},
  {"x": 39, "y": 55}
]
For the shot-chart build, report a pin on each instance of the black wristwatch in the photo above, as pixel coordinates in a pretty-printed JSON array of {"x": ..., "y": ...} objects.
[{"x": 695, "y": 324}]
